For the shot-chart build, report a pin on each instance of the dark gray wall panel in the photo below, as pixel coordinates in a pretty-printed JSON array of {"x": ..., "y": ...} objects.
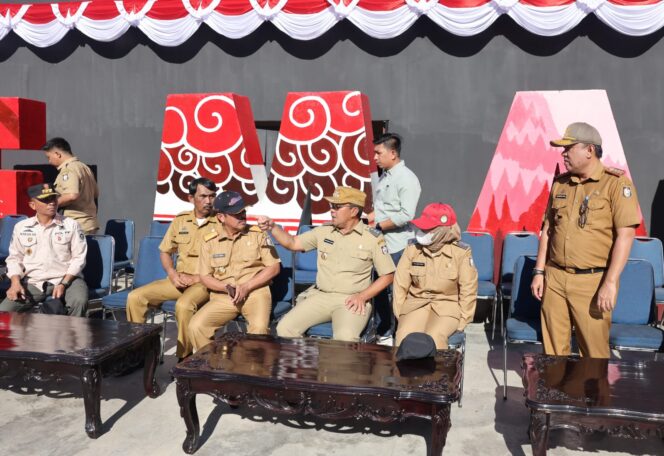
[{"x": 448, "y": 96}]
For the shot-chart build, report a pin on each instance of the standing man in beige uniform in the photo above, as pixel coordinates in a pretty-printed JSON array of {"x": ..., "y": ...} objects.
[
  {"x": 46, "y": 257},
  {"x": 75, "y": 183},
  {"x": 184, "y": 237},
  {"x": 348, "y": 251},
  {"x": 435, "y": 286},
  {"x": 237, "y": 267},
  {"x": 588, "y": 230}
]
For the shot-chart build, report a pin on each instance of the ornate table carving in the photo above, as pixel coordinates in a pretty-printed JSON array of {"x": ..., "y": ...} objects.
[
  {"x": 589, "y": 395},
  {"x": 327, "y": 379},
  {"x": 46, "y": 348}
]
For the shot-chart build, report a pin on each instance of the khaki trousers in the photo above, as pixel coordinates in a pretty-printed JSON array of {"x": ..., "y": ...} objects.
[
  {"x": 571, "y": 299},
  {"x": 314, "y": 307},
  {"x": 220, "y": 310},
  {"x": 155, "y": 293},
  {"x": 426, "y": 320}
]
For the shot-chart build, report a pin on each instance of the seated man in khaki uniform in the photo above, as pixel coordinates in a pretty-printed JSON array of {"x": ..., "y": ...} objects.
[
  {"x": 75, "y": 183},
  {"x": 348, "y": 251},
  {"x": 184, "y": 236},
  {"x": 237, "y": 267},
  {"x": 46, "y": 257}
]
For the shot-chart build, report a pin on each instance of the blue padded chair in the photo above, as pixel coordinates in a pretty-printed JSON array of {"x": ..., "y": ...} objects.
[
  {"x": 122, "y": 231},
  {"x": 148, "y": 269},
  {"x": 650, "y": 249},
  {"x": 515, "y": 244},
  {"x": 158, "y": 228},
  {"x": 523, "y": 324},
  {"x": 305, "y": 263},
  {"x": 7, "y": 224},
  {"x": 633, "y": 319},
  {"x": 481, "y": 245},
  {"x": 98, "y": 270}
]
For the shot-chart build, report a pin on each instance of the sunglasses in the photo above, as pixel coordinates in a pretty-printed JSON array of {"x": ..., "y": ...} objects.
[
  {"x": 240, "y": 215},
  {"x": 583, "y": 212},
  {"x": 336, "y": 207}
]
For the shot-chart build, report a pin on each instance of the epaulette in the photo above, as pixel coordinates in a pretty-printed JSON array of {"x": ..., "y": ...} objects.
[
  {"x": 211, "y": 235},
  {"x": 615, "y": 171},
  {"x": 462, "y": 245},
  {"x": 255, "y": 229},
  {"x": 181, "y": 214},
  {"x": 374, "y": 231},
  {"x": 563, "y": 175}
]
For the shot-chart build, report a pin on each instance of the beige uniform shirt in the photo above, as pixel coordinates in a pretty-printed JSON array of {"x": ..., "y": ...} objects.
[
  {"x": 345, "y": 262},
  {"x": 236, "y": 260},
  {"x": 46, "y": 253},
  {"x": 185, "y": 238},
  {"x": 447, "y": 279},
  {"x": 75, "y": 177},
  {"x": 611, "y": 203}
]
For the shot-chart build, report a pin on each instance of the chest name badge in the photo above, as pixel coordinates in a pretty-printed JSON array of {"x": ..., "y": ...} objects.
[
  {"x": 183, "y": 232},
  {"x": 561, "y": 196},
  {"x": 219, "y": 255},
  {"x": 328, "y": 241},
  {"x": 417, "y": 263}
]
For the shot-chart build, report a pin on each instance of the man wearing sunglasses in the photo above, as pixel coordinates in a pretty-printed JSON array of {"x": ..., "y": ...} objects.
[
  {"x": 588, "y": 230},
  {"x": 348, "y": 251},
  {"x": 46, "y": 257},
  {"x": 237, "y": 267}
]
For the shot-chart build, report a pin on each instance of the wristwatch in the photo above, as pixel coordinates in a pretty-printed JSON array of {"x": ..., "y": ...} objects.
[
  {"x": 538, "y": 272},
  {"x": 65, "y": 283},
  {"x": 377, "y": 226}
]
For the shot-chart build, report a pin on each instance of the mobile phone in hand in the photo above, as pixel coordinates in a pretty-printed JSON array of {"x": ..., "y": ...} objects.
[{"x": 231, "y": 290}]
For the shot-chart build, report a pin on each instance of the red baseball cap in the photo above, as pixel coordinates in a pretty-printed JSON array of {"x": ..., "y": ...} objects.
[{"x": 435, "y": 215}]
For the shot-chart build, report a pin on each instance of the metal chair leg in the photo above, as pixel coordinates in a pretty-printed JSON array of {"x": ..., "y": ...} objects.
[
  {"x": 504, "y": 365},
  {"x": 463, "y": 371}
]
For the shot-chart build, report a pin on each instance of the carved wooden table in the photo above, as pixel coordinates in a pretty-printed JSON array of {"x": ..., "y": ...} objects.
[
  {"x": 47, "y": 347},
  {"x": 323, "y": 378},
  {"x": 586, "y": 395}
]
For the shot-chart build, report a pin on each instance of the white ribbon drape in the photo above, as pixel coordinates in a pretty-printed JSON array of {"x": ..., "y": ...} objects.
[{"x": 635, "y": 20}]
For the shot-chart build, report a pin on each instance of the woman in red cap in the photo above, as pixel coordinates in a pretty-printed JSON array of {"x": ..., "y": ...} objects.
[{"x": 435, "y": 285}]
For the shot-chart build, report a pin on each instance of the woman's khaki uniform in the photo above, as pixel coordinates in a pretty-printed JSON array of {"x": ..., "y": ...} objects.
[{"x": 435, "y": 292}]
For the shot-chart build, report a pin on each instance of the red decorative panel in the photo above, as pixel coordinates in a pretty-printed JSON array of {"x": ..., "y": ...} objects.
[
  {"x": 22, "y": 123},
  {"x": 13, "y": 188},
  {"x": 206, "y": 135}
]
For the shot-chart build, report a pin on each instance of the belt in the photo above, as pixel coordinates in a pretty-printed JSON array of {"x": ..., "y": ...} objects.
[{"x": 579, "y": 271}]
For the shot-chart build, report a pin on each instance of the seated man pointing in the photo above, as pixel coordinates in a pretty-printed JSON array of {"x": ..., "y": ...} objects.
[{"x": 348, "y": 251}]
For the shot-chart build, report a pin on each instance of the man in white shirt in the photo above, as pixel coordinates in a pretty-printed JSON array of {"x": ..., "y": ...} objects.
[{"x": 46, "y": 257}]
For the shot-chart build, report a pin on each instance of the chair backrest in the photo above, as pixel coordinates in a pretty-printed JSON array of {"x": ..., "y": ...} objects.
[
  {"x": 148, "y": 265},
  {"x": 159, "y": 227},
  {"x": 282, "y": 284},
  {"x": 7, "y": 224},
  {"x": 650, "y": 249},
  {"x": 635, "y": 303},
  {"x": 98, "y": 270},
  {"x": 481, "y": 245},
  {"x": 515, "y": 244},
  {"x": 306, "y": 261},
  {"x": 122, "y": 231},
  {"x": 523, "y": 305}
]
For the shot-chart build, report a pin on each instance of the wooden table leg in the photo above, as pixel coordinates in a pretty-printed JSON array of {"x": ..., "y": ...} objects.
[
  {"x": 440, "y": 424},
  {"x": 152, "y": 353},
  {"x": 539, "y": 432},
  {"x": 91, "y": 380},
  {"x": 187, "y": 402}
]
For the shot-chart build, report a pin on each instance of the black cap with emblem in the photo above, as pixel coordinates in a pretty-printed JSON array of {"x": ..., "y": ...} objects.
[
  {"x": 42, "y": 191},
  {"x": 416, "y": 345},
  {"x": 229, "y": 202}
]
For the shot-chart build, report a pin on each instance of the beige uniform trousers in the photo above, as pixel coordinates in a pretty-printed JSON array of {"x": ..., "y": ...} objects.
[
  {"x": 426, "y": 320},
  {"x": 155, "y": 293},
  {"x": 572, "y": 299},
  {"x": 315, "y": 307},
  {"x": 220, "y": 310}
]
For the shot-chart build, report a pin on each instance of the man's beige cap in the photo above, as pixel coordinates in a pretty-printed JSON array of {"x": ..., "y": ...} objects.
[
  {"x": 347, "y": 195},
  {"x": 579, "y": 132}
]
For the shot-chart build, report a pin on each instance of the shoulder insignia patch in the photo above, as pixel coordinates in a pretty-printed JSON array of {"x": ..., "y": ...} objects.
[
  {"x": 182, "y": 214},
  {"x": 210, "y": 235},
  {"x": 374, "y": 231},
  {"x": 462, "y": 244},
  {"x": 255, "y": 229},
  {"x": 615, "y": 171}
]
